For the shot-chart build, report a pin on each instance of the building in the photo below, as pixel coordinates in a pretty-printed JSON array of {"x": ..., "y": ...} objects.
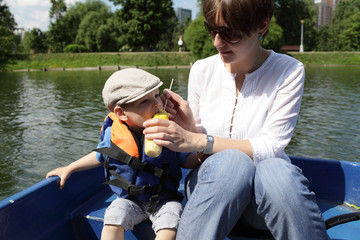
[
  {"x": 182, "y": 13},
  {"x": 325, "y": 12}
]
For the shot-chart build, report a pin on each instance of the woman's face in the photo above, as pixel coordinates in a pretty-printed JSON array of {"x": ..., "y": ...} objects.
[{"x": 235, "y": 52}]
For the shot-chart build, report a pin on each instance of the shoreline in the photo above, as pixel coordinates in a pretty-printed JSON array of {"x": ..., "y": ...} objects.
[
  {"x": 98, "y": 68},
  {"x": 115, "y": 67},
  {"x": 150, "y": 60}
]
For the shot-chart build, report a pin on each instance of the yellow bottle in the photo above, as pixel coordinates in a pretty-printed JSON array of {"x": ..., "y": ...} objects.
[{"x": 152, "y": 149}]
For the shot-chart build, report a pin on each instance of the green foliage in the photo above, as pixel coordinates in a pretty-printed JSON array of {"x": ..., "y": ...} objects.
[
  {"x": 6, "y": 18},
  {"x": 6, "y": 43},
  {"x": 35, "y": 41},
  {"x": 288, "y": 14},
  {"x": 92, "y": 24},
  {"x": 57, "y": 10},
  {"x": 58, "y": 30},
  {"x": 168, "y": 39},
  {"x": 8, "y": 40},
  {"x": 141, "y": 22},
  {"x": 197, "y": 40},
  {"x": 325, "y": 39},
  {"x": 344, "y": 32},
  {"x": 274, "y": 40},
  {"x": 88, "y": 29},
  {"x": 106, "y": 39},
  {"x": 57, "y": 36},
  {"x": 310, "y": 33},
  {"x": 350, "y": 36},
  {"x": 346, "y": 25},
  {"x": 75, "y": 48}
]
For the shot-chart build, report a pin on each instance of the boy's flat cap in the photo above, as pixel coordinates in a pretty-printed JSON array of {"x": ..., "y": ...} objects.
[{"x": 128, "y": 85}]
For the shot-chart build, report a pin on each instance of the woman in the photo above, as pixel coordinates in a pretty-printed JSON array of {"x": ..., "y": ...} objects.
[{"x": 244, "y": 105}]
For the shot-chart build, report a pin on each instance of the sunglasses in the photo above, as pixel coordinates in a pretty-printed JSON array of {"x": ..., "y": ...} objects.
[{"x": 229, "y": 35}]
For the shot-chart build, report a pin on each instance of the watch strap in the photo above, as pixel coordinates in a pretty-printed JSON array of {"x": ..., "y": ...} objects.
[{"x": 209, "y": 145}]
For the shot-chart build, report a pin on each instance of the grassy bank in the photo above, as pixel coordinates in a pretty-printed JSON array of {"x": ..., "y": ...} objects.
[
  {"x": 81, "y": 60},
  {"x": 153, "y": 59},
  {"x": 328, "y": 58}
]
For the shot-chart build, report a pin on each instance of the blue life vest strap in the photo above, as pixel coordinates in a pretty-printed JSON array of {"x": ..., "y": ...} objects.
[
  {"x": 154, "y": 191},
  {"x": 135, "y": 163}
]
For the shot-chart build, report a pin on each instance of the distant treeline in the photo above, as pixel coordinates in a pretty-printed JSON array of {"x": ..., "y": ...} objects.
[{"x": 147, "y": 25}]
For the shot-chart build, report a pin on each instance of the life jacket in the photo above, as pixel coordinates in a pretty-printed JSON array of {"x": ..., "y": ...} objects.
[{"x": 132, "y": 174}]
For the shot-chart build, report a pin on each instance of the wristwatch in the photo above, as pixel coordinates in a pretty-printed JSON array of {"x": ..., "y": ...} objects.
[{"x": 209, "y": 145}]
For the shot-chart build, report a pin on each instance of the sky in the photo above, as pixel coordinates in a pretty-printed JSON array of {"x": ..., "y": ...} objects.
[{"x": 31, "y": 14}]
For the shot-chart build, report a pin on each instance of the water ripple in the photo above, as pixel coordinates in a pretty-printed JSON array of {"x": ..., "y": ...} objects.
[{"x": 49, "y": 119}]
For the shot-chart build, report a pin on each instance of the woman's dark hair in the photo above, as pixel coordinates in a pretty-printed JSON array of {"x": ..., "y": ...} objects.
[{"x": 243, "y": 15}]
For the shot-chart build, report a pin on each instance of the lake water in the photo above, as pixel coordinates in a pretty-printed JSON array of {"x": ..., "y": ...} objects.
[{"x": 49, "y": 119}]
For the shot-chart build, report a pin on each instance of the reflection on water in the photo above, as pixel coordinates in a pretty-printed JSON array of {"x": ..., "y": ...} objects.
[{"x": 49, "y": 119}]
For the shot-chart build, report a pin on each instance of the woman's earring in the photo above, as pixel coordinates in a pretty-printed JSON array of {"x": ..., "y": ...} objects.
[{"x": 260, "y": 37}]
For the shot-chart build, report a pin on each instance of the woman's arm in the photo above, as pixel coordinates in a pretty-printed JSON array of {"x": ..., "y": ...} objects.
[
  {"x": 181, "y": 135},
  {"x": 87, "y": 162},
  {"x": 169, "y": 134}
]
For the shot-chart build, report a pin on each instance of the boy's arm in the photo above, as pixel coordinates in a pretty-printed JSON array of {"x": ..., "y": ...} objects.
[
  {"x": 87, "y": 162},
  {"x": 194, "y": 160}
]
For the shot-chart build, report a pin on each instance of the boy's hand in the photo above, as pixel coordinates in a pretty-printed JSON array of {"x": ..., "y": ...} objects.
[{"x": 62, "y": 172}]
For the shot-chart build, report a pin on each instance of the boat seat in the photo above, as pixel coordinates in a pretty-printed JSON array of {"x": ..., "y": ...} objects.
[{"x": 88, "y": 222}]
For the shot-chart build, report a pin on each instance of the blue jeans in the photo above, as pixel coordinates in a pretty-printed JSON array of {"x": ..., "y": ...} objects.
[{"x": 272, "y": 195}]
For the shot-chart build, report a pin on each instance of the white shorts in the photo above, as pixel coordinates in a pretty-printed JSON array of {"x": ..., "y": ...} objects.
[{"x": 128, "y": 213}]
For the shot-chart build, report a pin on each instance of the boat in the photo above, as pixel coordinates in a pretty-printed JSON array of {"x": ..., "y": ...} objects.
[{"x": 43, "y": 211}]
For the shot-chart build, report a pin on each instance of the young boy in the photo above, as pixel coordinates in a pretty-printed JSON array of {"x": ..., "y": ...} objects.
[{"x": 146, "y": 187}]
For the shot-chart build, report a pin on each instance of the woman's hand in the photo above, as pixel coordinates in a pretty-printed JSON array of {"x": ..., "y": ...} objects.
[
  {"x": 62, "y": 172},
  {"x": 169, "y": 134},
  {"x": 179, "y": 110}
]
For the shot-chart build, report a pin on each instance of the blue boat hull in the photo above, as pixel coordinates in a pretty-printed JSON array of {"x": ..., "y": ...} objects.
[{"x": 76, "y": 212}]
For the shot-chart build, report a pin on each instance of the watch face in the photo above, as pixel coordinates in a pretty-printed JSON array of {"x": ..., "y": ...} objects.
[{"x": 209, "y": 144}]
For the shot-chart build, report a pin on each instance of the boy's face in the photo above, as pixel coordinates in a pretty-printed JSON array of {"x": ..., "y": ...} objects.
[{"x": 136, "y": 113}]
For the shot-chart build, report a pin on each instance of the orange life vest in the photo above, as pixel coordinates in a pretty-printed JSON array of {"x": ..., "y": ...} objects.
[{"x": 132, "y": 174}]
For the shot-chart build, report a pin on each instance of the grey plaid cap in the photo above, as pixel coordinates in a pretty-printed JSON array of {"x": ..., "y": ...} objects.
[{"x": 128, "y": 85}]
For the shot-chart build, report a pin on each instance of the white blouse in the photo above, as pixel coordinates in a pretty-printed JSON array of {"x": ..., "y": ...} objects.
[{"x": 264, "y": 112}]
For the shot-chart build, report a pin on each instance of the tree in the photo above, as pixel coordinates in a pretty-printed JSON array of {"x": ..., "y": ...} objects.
[
  {"x": 346, "y": 25},
  {"x": 57, "y": 32},
  {"x": 274, "y": 39},
  {"x": 93, "y": 31},
  {"x": 325, "y": 39},
  {"x": 349, "y": 38},
  {"x": 344, "y": 32},
  {"x": 288, "y": 14},
  {"x": 77, "y": 12},
  {"x": 35, "y": 40},
  {"x": 142, "y": 22},
  {"x": 7, "y": 37},
  {"x": 107, "y": 37}
]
